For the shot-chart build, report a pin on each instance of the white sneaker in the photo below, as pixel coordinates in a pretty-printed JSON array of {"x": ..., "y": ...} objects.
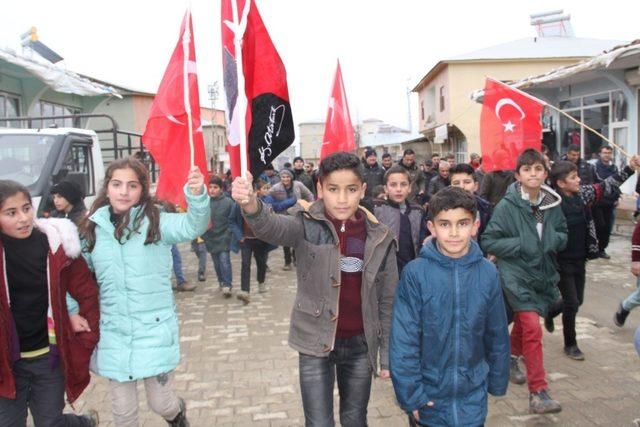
[
  {"x": 244, "y": 297},
  {"x": 262, "y": 288},
  {"x": 226, "y": 291}
]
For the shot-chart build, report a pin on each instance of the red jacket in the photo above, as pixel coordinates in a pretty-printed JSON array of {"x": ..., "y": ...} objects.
[{"x": 68, "y": 272}]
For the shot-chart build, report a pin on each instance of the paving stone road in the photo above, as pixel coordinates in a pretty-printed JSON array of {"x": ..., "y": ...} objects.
[{"x": 237, "y": 369}]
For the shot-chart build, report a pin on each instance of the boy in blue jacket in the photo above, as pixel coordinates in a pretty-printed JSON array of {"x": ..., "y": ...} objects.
[{"x": 449, "y": 342}]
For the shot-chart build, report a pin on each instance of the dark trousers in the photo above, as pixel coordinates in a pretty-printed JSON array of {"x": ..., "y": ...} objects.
[
  {"x": 40, "y": 388},
  {"x": 289, "y": 255},
  {"x": 571, "y": 285},
  {"x": 348, "y": 362},
  {"x": 258, "y": 249},
  {"x": 603, "y": 217}
]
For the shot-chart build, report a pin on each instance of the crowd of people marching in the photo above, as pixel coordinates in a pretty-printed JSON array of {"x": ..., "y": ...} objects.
[{"x": 404, "y": 271}]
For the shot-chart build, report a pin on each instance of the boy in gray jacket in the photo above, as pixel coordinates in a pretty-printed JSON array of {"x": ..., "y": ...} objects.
[{"x": 347, "y": 276}]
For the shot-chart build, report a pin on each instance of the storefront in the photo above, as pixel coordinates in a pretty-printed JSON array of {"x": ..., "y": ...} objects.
[{"x": 601, "y": 92}]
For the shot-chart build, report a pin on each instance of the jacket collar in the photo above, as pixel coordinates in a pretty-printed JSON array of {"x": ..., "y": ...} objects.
[{"x": 549, "y": 198}]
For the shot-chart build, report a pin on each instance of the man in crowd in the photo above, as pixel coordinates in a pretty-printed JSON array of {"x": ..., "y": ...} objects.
[
  {"x": 299, "y": 174},
  {"x": 439, "y": 181},
  {"x": 372, "y": 173},
  {"x": 270, "y": 176},
  {"x": 417, "y": 178},
  {"x": 387, "y": 161},
  {"x": 604, "y": 210},
  {"x": 586, "y": 171}
]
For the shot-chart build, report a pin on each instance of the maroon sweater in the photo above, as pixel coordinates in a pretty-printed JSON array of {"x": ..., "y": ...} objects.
[
  {"x": 352, "y": 235},
  {"x": 635, "y": 243}
]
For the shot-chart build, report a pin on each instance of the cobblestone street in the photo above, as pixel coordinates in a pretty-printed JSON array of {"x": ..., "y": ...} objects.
[{"x": 237, "y": 369}]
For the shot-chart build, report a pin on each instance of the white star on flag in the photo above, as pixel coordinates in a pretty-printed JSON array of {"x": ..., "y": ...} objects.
[{"x": 508, "y": 127}]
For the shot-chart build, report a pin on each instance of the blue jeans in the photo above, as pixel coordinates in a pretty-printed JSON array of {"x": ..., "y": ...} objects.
[
  {"x": 222, "y": 264},
  {"x": 633, "y": 300},
  {"x": 350, "y": 364},
  {"x": 40, "y": 388},
  {"x": 201, "y": 252},
  {"x": 177, "y": 265}
]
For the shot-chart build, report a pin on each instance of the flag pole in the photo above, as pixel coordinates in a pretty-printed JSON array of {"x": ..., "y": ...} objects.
[
  {"x": 241, "y": 102},
  {"x": 584, "y": 125},
  {"x": 186, "y": 41}
]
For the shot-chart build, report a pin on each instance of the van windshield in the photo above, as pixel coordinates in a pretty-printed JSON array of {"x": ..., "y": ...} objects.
[{"x": 23, "y": 157}]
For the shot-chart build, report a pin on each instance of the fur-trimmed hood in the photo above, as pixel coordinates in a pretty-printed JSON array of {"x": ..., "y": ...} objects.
[{"x": 60, "y": 232}]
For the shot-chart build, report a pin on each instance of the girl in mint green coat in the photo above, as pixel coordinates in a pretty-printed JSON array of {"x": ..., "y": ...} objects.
[{"x": 128, "y": 246}]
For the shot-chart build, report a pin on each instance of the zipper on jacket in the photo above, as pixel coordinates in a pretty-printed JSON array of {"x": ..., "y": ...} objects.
[{"x": 456, "y": 343}]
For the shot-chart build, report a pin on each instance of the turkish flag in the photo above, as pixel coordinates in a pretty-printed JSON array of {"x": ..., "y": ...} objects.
[
  {"x": 166, "y": 135},
  {"x": 338, "y": 130},
  {"x": 267, "y": 114},
  {"x": 509, "y": 124}
]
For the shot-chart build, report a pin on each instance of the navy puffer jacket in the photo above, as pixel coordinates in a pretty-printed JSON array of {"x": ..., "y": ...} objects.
[{"x": 449, "y": 340}]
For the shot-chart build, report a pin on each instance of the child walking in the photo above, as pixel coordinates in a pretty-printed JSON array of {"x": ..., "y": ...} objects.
[
  {"x": 45, "y": 352},
  {"x": 128, "y": 245},
  {"x": 582, "y": 244},
  {"x": 449, "y": 339},
  {"x": 218, "y": 239},
  {"x": 526, "y": 231},
  {"x": 347, "y": 275}
]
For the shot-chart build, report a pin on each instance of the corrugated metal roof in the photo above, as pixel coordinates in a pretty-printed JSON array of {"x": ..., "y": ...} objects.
[{"x": 541, "y": 47}]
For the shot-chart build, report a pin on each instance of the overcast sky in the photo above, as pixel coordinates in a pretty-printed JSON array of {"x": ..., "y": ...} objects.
[{"x": 383, "y": 46}]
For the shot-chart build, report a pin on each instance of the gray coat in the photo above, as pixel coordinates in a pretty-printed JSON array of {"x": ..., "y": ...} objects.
[
  {"x": 279, "y": 193},
  {"x": 314, "y": 318},
  {"x": 390, "y": 216}
]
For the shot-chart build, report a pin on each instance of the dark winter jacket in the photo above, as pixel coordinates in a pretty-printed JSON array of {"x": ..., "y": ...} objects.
[
  {"x": 77, "y": 213},
  {"x": 495, "y": 184},
  {"x": 527, "y": 263},
  {"x": 586, "y": 171},
  {"x": 67, "y": 272},
  {"x": 373, "y": 176},
  {"x": 449, "y": 338},
  {"x": 219, "y": 237},
  {"x": 588, "y": 196},
  {"x": 303, "y": 177},
  {"x": 416, "y": 178},
  {"x": 315, "y": 311},
  {"x": 436, "y": 184},
  {"x": 603, "y": 172}
]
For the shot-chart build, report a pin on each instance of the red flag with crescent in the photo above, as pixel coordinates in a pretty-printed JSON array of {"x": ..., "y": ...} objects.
[
  {"x": 338, "y": 130},
  {"x": 166, "y": 135},
  {"x": 509, "y": 124}
]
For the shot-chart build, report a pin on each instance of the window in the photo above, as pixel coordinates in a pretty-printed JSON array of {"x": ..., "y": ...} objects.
[
  {"x": 441, "y": 98},
  {"x": 48, "y": 109},
  {"x": 78, "y": 167},
  {"x": 9, "y": 107}
]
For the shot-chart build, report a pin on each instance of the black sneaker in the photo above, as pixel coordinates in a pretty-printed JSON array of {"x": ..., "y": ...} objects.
[
  {"x": 573, "y": 352},
  {"x": 604, "y": 255},
  {"x": 620, "y": 317},
  {"x": 548, "y": 324},
  {"x": 515, "y": 374},
  {"x": 92, "y": 417},
  {"x": 541, "y": 403},
  {"x": 181, "y": 419},
  {"x": 201, "y": 277}
]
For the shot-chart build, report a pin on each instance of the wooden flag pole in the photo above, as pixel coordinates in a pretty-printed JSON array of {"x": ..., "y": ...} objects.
[
  {"x": 589, "y": 129},
  {"x": 186, "y": 41}
]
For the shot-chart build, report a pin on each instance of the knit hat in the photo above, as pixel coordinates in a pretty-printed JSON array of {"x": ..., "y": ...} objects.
[
  {"x": 69, "y": 190},
  {"x": 286, "y": 172},
  {"x": 370, "y": 152}
]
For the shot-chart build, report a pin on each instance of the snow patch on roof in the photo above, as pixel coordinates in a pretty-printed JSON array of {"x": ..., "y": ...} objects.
[{"x": 56, "y": 77}]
